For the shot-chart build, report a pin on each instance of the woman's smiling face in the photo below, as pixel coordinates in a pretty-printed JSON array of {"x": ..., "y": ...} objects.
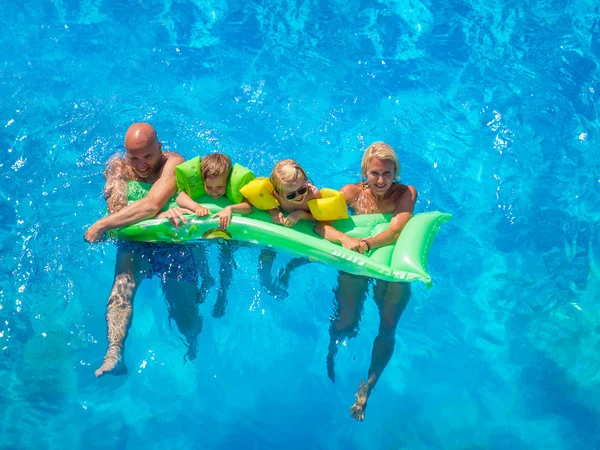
[{"x": 380, "y": 175}]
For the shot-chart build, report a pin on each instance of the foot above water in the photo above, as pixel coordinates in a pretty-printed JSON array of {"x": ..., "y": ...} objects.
[{"x": 113, "y": 364}]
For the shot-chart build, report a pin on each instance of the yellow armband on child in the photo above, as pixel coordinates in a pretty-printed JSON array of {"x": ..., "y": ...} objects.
[
  {"x": 331, "y": 206},
  {"x": 259, "y": 192}
]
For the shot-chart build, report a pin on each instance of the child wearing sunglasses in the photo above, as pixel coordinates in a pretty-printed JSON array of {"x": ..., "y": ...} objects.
[{"x": 293, "y": 190}]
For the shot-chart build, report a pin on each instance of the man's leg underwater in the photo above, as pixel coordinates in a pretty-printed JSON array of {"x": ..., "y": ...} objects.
[
  {"x": 391, "y": 299},
  {"x": 349, "y": 300},
  {"x": 130, "y": 269},
  {"x": 181, "y": 296}
]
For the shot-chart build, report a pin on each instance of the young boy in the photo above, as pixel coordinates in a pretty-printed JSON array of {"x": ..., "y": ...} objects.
[{"x": 215, "y": 170}]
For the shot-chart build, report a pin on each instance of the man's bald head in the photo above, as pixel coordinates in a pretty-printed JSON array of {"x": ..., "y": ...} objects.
[
  {"x": 140, "y": 134},
  {"x": 142, "y": 149}
]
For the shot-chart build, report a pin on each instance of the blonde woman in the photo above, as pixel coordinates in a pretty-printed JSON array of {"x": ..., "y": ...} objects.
[{"x": 378, "y": 192}]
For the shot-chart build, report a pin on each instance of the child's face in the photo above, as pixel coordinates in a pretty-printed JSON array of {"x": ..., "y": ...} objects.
[
  {"x": 295, "y": 192},
  {"x": 216, "y": 186}
]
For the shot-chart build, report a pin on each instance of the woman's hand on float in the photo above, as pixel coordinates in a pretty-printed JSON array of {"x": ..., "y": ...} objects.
[
  {"x": 201, "y": 211},
  {"x": 224, "y": 217},
  {"x": 175, "y": 216},
  {"x": 354, "y": 244}
]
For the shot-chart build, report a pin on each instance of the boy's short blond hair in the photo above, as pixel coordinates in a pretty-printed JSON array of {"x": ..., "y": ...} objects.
[
  {"x": 383, "y": 151},
  {"x": 215, "y": 165},
  {"x": 285, "y": 172}
]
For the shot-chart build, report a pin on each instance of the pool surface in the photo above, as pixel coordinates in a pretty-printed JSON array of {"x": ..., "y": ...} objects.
[{"x": 494, "y": 110}]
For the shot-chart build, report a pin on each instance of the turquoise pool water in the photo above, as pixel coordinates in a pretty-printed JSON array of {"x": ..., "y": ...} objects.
[{"x": 494, "y": 110}]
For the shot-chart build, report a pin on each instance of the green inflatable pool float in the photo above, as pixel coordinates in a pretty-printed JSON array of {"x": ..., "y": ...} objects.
[{"x": 404, "y": 261}]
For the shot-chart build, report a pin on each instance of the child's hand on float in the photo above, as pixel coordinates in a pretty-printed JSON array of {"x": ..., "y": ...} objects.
[
  {"x": 224, "y": 217},
  {"x": 293, "y": 218},
  {"x": 201, "y": 211},
  {"x": 276, "y": 216}
]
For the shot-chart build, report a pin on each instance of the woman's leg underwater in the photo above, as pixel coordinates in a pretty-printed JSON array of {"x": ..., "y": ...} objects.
[
  {"x": 391, "y": 299},
  {"x": 350, "y": 295}
]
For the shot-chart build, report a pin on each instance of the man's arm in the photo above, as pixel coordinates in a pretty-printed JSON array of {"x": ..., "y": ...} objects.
[{"x": 162, "y": 190}]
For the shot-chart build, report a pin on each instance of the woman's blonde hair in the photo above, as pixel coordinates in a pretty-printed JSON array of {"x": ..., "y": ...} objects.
[
  {"x": 215, "y": 165},
  {"x": 286, "y": 172},
  {"x": 383, "y": 151}
]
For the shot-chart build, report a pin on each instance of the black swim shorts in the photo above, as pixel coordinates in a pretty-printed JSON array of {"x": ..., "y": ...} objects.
[{"x": 164, "y": 260}]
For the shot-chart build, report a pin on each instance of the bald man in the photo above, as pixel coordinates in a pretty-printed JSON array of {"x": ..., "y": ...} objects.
[{"x": 145, "y": 161}]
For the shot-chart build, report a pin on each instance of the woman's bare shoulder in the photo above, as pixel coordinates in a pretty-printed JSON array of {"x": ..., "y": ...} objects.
[
  {"x": 404, "y": 197},
  {"x": 410, "y": 191},
  {"x": 350, "y": 191}
]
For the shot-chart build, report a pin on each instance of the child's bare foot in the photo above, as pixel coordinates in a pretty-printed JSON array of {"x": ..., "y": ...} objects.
[
  {"x": 283, "y": 278},
  {"x": 113, "y": 363},
  {"x": 192, "y": 350},
  {"x": 358, "y": 409},
  {"x": 276, "y": 291},
  {"x": 272, "y": 288}
]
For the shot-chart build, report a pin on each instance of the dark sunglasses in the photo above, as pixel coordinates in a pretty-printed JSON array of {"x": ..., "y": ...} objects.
[{"x": 301, "y": 191}]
